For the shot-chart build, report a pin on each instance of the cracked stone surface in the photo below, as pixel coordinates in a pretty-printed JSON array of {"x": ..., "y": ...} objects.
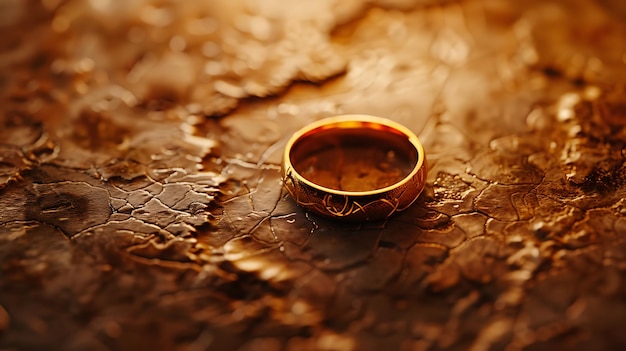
[{"x": 141, "y": 205}]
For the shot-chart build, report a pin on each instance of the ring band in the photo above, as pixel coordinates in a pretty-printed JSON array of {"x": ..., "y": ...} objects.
[{"x": 354, "y": 167}]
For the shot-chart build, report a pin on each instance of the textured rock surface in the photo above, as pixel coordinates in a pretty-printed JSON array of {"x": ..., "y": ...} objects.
[{"x": 141, "y": 205}]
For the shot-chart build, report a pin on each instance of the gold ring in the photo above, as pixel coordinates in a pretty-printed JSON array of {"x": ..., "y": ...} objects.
[{"x": 354, "y": 167}]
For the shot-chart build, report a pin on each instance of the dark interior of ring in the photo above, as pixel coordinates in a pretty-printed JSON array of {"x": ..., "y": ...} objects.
[{"x": 354, "y": 159}]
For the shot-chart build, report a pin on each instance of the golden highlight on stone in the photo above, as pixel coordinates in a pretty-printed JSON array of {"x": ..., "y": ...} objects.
[{"x": 354, "y": 167}]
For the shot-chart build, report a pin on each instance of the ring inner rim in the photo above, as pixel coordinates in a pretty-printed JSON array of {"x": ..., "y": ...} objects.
[{"x": 351, "y": 123}]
